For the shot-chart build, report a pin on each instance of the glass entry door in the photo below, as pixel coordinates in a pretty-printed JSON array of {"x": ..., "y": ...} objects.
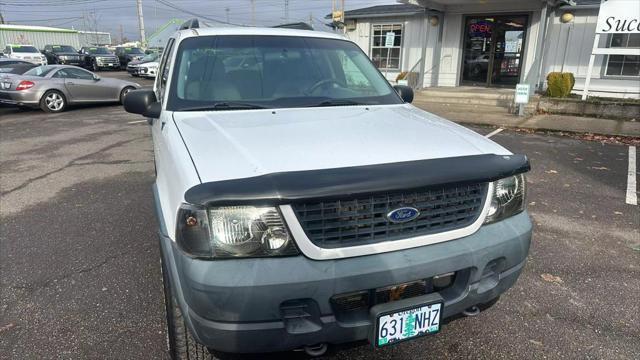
[{"x": 493, "y": 50}]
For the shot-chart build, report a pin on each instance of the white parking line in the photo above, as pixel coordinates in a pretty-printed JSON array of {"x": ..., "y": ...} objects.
[
  {"x": 136, "y": 122},
  {"x": 494, "y": 132},
  {"x": 632, "y": 196}
]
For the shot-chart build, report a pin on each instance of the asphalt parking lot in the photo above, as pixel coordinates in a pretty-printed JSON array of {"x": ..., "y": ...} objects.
[{"x": 80, "y": 276}]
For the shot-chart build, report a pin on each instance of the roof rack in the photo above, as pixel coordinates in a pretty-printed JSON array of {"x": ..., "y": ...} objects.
[
  {"x": 297, "y": 25},
  {"x": 190, "y": 24}
]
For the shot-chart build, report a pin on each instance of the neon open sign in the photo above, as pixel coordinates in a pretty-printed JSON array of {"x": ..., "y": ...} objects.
[{"x": 481, "y": 28}]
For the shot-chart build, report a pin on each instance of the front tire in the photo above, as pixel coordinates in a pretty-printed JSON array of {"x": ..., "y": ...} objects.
[
  {"x": 53, "y": 101},
  {"x": 180, "y": 342}
]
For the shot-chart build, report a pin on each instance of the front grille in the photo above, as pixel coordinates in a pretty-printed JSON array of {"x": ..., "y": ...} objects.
[
  {"x": 363, "y": 220},
  {"x": 107, "y": 61}
]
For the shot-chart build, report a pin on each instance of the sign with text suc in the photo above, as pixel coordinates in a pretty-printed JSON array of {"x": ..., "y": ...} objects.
[{"x": 619, "y": 17}]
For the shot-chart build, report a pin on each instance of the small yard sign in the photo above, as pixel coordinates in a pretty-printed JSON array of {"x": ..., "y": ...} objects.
[
  {"x": 389, "y": 39},
  {"x": 522, "y": 93}
]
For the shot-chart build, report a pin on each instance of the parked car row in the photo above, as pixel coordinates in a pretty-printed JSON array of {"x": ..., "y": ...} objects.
[{"x": 93, "y": 58}]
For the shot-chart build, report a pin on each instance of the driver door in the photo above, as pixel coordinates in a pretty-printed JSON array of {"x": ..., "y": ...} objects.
[{"x": 81, "y": 85}]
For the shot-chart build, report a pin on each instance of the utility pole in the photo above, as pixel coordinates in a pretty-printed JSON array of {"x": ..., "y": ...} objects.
[
  {"x": 143, "y": 40},
  {"x": 253, "y": 12},
  {"x": 1, "y": 18},
  {"x": 311, "y": 19},
  {"x": 286, "y": 10},
  {"x": 121, "y": 35},
  {"x": 342, "y": 17},
  {"x": 227, "y": 11}
]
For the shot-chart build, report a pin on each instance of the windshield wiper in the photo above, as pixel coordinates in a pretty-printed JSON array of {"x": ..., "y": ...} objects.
[
  {"x": 225, "y": 105},
  {"x": 336, "y": 102}
]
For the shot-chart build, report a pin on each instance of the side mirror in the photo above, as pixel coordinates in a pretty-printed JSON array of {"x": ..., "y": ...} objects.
[
  {"x": 143, "y": 102},
  {"x": 405, "y": 92},
  {"x": 96, "y": 77}
]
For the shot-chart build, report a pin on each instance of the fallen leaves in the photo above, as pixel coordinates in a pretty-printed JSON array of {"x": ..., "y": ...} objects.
[{"x": 551, "y": 278}]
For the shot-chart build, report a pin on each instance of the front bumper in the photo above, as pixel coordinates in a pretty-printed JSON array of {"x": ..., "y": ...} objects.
[
  {"x": 242, "y": 305},
  {"x": 76, "y": 62}
]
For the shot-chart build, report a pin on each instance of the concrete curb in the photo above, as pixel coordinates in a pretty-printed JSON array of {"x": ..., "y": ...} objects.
[{"x": 470, "y": 115}]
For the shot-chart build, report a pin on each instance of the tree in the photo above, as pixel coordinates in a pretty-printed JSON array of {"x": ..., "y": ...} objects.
[{"x": 410, "y": 326}]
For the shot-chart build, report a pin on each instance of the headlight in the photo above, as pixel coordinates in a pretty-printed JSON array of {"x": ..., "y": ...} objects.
[
  {"x": 508, "y": 198},
  {"x": 232, "y": 232},
  {"x": 63, "y": 57}
]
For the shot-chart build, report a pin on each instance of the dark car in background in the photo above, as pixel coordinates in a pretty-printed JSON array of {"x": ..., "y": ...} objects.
[
  {"x": 13, "y": 66},
  {"x": 126, "y": 54},
  {"x": 97, "y": 58},
  {"x": 62, "y": 54}
]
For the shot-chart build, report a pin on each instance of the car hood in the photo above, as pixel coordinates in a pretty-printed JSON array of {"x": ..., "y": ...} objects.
[
  {"x": 238, "y": 144},
  {"x": 138, "y": 62}
]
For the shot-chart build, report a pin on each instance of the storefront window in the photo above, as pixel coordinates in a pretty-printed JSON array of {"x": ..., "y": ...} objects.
[
  {"x": 624, "y": 65},
  {"x": 381, "y": 54}
]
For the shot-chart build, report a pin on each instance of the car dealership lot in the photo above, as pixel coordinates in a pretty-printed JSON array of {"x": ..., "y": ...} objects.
[{"x": 79, "y": 260}]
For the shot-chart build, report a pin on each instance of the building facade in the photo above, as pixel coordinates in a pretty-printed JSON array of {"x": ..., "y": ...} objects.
[
  {"x": 493, "y": 43},
  {"x": 38, "y": 36},
  {"x": 94, "y": 38}
]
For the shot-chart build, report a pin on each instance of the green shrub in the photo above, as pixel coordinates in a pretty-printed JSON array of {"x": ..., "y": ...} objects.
[{"x": 560, "y": 84}]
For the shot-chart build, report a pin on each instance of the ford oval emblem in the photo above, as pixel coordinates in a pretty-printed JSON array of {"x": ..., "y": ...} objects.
[{"x": 403, "y": 214}]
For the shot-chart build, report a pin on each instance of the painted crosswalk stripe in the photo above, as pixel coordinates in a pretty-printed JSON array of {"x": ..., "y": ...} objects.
[{"x": 632, "y": 195}]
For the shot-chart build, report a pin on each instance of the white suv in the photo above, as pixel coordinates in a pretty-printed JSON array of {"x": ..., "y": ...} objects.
[
  {"x": 25, "y": 52},
  {"x": 303, "y": 201}
]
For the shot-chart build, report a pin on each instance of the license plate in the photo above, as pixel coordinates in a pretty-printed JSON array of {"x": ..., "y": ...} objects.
[{"x": 408, "y": 324}]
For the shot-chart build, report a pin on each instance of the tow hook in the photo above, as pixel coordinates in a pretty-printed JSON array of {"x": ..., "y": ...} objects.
[
  {"x": 472, "y": 311},
  {"x": 316, "y": 350}
]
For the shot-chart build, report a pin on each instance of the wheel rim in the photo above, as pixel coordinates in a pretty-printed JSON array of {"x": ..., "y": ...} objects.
[
  {"x": 54, "y": 101},
  {"x": 125, "y": 92}
]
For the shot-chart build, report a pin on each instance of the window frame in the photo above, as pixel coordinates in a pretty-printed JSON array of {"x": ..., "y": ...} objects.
[
  {"x": 400, "y": 47},
  {"x": 164, "y": 65},
  {"x": 608, "y": 59}
]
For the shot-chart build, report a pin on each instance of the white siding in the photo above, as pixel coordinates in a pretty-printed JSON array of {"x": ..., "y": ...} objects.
[
  {"x": 449, "y": 63},
  {"x": 413, "y": 36},
  {"x": 578, "y": 51},
  {"x": 38, "y": 38},
  {"x": 578, "y": 48}
]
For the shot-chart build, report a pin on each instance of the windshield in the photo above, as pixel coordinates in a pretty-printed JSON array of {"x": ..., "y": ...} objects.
[
  {"x": 133, "y": 51},
  {"x": 41, "y": 71},
  {"x": 275, "y": 72},
  {"x": 150, "y": 57},
  {"x": 24, "y": 49},
  {"x": 63, "y": 49},
  {"x": 103, "y": 51}
]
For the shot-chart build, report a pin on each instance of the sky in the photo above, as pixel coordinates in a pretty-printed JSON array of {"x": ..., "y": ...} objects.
[{"x": 109, "y": 15}]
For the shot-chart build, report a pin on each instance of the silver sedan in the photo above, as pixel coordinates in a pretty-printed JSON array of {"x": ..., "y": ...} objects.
[{"x": 54, "y": 87}]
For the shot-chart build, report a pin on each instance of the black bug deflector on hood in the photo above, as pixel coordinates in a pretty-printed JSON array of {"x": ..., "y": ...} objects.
[{"x": 288, "y": 187}]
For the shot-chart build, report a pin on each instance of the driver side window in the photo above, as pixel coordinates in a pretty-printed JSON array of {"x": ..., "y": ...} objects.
[
  {"x": 70, "y": 73},
  {"x": 79, "y": 74}
]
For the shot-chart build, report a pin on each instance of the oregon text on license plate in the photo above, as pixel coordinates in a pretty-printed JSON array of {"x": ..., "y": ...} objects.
[{"x": 408, "y": 324}]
